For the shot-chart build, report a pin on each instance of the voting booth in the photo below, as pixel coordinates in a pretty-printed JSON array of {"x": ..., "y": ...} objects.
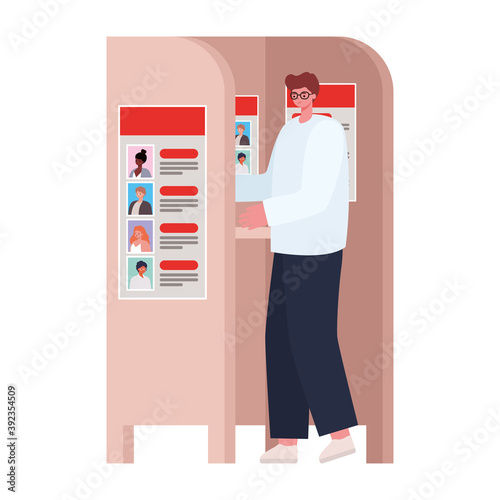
[{"x": 189, "y": 289}]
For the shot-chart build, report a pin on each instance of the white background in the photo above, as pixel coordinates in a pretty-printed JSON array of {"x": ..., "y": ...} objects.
[{"x": 53, "y": 244}]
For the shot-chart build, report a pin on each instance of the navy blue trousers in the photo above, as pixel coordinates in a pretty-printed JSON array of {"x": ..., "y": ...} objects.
[{"x": 303, "y": 360}]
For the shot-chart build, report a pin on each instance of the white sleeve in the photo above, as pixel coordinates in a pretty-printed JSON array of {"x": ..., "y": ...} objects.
[
  {"x": 323, "y": 157},
  {"x": 255, "y": 187}
]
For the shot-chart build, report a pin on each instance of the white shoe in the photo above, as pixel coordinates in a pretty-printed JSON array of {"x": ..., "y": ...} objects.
[
  {"x": 338, "y": 448},
  {"x": 280, "y": 454}
]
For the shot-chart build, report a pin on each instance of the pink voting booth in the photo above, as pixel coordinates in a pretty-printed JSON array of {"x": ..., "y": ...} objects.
[{"x": 186, "y": 319}]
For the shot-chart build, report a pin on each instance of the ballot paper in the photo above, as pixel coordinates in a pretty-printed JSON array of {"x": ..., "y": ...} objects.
[
  {"x": 162, "y": 210},
  {"x": 246, "y": 130}
]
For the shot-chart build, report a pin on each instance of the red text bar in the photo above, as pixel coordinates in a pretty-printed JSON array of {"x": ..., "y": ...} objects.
[
  {"x": 179, "y": 190},
  {"x": 178, "y": 228},
  {"x": 179, "y": 153},
  {"x": 178, "y": 265}
]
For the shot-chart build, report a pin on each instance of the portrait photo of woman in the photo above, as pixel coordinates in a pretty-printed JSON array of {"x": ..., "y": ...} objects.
[
  {"x": 140, "y": 241},
  {"x": 140, "y": 161}
]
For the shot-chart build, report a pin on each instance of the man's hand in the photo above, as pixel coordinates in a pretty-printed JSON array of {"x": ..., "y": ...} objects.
[{"x": 254, "y": 217}]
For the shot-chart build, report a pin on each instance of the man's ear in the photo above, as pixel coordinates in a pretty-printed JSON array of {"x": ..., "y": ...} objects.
[{"x": 313, "y": 96}]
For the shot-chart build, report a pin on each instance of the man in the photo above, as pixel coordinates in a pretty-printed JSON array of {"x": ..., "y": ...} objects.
[{"x": 305, "y": 201}]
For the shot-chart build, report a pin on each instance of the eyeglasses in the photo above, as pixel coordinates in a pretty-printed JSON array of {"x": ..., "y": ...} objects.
[{"x": 303, "y": 95}]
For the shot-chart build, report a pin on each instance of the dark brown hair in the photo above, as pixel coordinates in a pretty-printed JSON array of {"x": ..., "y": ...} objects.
[{"x": 309, "y": 80}]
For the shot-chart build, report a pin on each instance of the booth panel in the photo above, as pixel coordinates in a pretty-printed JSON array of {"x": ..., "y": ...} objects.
[
  {"x": 366, "y": 286},
  {"x": 364, "y": 293},
  {"x": 164, "y": 347}
]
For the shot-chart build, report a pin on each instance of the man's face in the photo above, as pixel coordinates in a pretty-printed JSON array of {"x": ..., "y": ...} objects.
[
  {"x": 303, "y": 103},
  {"x": 141, "y": 270},
  {"x": 240, "y": 130},
  {"x": 139, "y": 195}
]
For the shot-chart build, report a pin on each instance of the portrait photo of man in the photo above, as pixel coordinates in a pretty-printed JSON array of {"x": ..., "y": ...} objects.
[
  {"x": 140, "y": 206},
  {"x": 241, "y": 139}
]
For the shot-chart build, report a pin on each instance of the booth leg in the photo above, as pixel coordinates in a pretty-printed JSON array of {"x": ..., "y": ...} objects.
[
  {"x": 379, "y": 445},
  {"x": 120, "y": 449},
  {"x": 221, "y": 443}
]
